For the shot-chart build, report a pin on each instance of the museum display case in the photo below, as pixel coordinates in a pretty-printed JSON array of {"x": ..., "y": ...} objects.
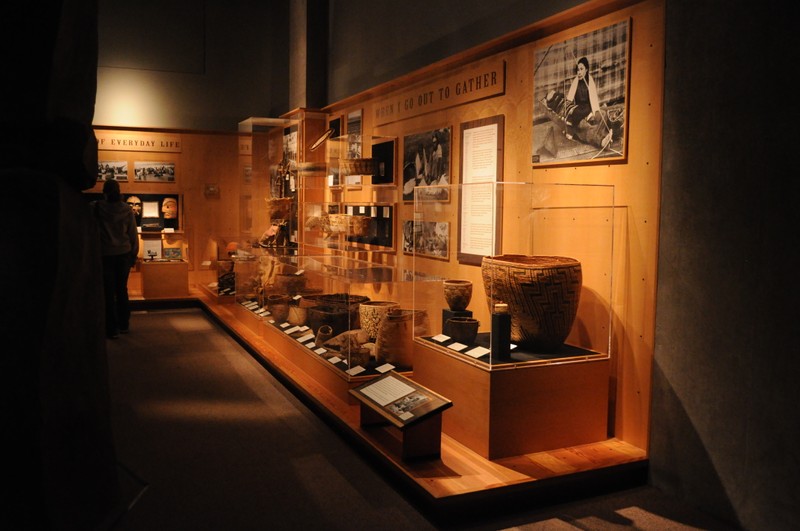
[
  {"x": 216, "y": 274},
  {"x": 269, "y": 151},
  {"x": 520, "y": 319},
  {"x": 350, "y": 203},
  {"x": 529, "y": 262},
  {"x": 163, "y": 264},
  {"x": 356, "y": 315}
]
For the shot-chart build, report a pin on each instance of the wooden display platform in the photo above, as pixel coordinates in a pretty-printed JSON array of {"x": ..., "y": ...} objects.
[
  {"x": 165, "y": 279},
  {"x": 510, "y": 409},
  {"x": 460, "y": 479}
]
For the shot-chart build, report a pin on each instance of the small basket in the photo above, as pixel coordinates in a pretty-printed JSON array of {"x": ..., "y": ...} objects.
[
  {"x": 366, "y": 166},
  {"x": 279, "y": 208},
  {"x": 339, "y": 223}
]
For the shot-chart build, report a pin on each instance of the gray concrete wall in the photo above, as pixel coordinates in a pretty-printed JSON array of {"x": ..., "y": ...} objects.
[
  {"x": 184, "y": 64},
  {"x": 374, "y": 41},
  {"x": 725, "y": 378}
]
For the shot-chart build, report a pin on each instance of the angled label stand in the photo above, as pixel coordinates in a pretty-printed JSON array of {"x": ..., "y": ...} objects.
[{"x": 393, "y": 399}]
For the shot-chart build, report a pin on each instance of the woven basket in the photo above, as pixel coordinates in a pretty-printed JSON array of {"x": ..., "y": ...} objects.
[
  {"x": 279, "y": 207},
  {"x": 358, "y": 166},
  {"x": 338, "y": 223},
  {"x": 542, "y": 293}
]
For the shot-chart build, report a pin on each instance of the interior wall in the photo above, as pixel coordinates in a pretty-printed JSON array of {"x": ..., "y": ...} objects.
[
  {"x": 375, "y": 41},
  {"x": 180, "y": 64}
]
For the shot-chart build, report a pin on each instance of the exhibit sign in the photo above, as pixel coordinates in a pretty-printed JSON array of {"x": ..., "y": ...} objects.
[
  {"x": 139, "y": 141},
  {"x": 480, "y": 226},
  {"x": 472, "y": 84}
]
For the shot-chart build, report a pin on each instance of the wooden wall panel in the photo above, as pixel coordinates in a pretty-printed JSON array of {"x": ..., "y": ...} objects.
[{"x": 631, "y": 303}]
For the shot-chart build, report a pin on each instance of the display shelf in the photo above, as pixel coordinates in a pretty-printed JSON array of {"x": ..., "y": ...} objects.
[{"x": 269, "y": 152}]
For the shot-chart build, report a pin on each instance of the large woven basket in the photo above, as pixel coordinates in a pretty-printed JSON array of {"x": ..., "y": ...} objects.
[{"x": 542, "y": 293}]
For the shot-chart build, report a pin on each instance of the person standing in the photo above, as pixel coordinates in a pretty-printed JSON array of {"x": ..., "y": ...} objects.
[{"x": 119, "y": 242}]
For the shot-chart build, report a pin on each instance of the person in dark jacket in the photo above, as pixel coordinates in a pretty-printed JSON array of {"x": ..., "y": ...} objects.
[{"x": 119, "y": 243}]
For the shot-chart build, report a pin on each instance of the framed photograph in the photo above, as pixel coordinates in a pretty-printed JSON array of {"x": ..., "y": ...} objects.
[
  {"x": 371, "y": 224},
  {"x": 156, "y": 172},
  {"x": 116, "y": 170},
  {"x": 580, "y": 98},
  {"x": 480, "y": 202},
  {"x": 333, "y": 150},
  {"x": 430, "y": 239},
  {"x": 385, "y": 154},
  {"x": 426, "y": 163},
  {"x": 290, "y": 142},
  {"x": 353, "y": 135},
  {"x": 172, "y": 253}
]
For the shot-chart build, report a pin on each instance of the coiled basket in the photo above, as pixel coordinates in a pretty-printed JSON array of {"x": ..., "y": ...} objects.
[{"x": 542, "y": 293}]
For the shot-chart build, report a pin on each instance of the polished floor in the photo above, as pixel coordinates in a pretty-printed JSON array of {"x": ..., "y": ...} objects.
[{"x": 208, "y": 439}]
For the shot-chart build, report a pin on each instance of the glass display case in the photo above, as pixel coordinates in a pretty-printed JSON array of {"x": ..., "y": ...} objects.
[
  {"x": 350, "y": 204},
  {"x": 358, "y": 316},
  {"x": 216, "y": 272},
  {"x": 269, "y": 151},
  {"x": 525, "y": 269},
  {"x": 521, "y": 317}
]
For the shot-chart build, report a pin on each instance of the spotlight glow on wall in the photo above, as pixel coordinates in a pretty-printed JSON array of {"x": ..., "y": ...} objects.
[{"x": 128, "y": 98}]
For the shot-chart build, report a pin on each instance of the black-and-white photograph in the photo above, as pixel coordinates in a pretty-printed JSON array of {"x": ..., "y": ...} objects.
[
  {"x": 407, "y": 403},
  {"x": 354, "y": 135},
  {"x": 580, "y": 93},
  {"x": 112, "y": 169},
  {"x": 154, "y": 171},
  {"x": 384, "y": 152},
  {"x": 426, "y": 163},
  {"x": 290, "y": 143},
  {"x": 427, "y": 238}
]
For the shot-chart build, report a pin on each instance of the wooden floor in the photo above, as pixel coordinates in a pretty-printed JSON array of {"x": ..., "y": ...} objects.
[{"x": 460, "y": 478}]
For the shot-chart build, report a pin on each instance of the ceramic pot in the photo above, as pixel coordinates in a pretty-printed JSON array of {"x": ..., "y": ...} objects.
[
  {"x": 297, "y": 315},
  {"x": 371, "y": 313},
  {"x": 308, "y": 297},
  {"x": 462, "y": 329},
  {"x": 542, "y": 293},
  {"x": 395, "y": 341},
  {"x": 324, "y": 333},
  {"x": 336, "y": 317},
  {"x": 360, "y": 225},
  {"x": 358, "y": 356},
  {"x": 289, "y": 283},
  {"x": 278, "y": 306},
  {"x": 457, "y": 293},
  {"x": 344, "y": 300}
]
